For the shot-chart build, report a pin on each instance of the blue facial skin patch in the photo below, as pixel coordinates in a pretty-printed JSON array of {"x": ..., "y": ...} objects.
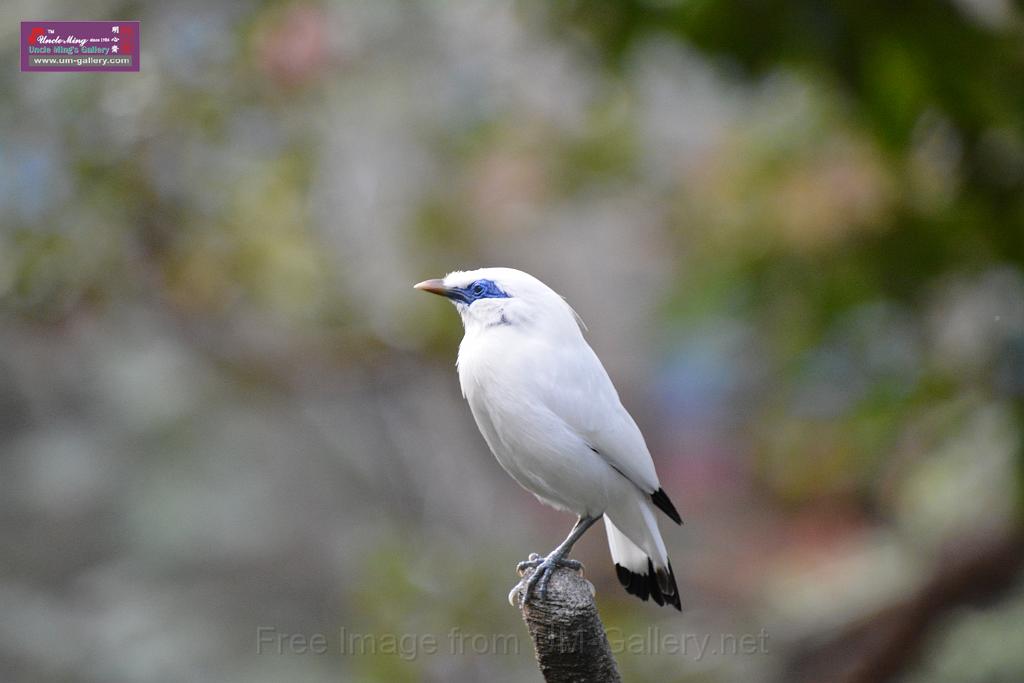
[{"x": 481, "y": 289}]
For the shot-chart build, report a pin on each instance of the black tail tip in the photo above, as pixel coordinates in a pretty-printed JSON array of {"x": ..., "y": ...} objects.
[{"x": 659, "y": 586}]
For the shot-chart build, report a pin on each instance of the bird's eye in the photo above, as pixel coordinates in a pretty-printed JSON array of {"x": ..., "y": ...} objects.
[{"x": 478, "y": 289}]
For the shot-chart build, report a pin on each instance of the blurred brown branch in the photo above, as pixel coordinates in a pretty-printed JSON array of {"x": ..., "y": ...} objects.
[
  {"x": 887, "y": 643},
  {"x": 567, "y": 633}
]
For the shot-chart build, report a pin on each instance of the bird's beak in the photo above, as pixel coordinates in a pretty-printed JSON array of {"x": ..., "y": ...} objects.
[{"x": 432, "y": 286}]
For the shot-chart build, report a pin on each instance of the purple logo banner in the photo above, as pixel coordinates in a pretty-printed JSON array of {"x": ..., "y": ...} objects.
[{"x": 80, "y": 46}]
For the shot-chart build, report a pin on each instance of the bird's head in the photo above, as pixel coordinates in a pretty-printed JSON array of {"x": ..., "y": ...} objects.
[{"x": 493, "y": 297}]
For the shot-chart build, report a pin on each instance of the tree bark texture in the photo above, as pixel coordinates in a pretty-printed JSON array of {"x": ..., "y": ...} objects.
[{"x": 567, "y": 633}]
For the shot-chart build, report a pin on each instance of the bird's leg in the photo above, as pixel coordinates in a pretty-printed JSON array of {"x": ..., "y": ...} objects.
[{"x": 543, "y": 567}]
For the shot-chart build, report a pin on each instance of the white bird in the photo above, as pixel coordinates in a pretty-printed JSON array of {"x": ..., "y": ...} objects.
[{"x": 549, "y": 412}]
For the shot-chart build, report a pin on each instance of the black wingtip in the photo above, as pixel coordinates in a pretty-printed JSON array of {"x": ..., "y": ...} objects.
[
  {"x": 660, "y": 499},
  {"x": 658, "y": 586}
]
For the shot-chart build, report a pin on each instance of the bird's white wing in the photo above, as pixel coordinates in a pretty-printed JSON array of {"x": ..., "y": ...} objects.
[{"x": 577, "y": 388}]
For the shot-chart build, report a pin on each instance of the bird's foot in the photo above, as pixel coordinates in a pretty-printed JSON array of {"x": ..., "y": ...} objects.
[
  {"x": 529, "y": 563},
  {"x": 543, "y": 568}
]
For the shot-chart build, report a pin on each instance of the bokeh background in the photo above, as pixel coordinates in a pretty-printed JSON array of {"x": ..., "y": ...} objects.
[{"x": 795, "y": 229}]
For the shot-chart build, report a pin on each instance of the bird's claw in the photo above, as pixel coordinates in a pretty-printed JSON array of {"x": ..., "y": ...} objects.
[
  {"x": 543, "y": 568},
  {"x": 529, "y": 563}
]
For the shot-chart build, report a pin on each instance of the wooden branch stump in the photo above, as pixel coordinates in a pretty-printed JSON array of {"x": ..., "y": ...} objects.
[{"x": 567, "y": 633}]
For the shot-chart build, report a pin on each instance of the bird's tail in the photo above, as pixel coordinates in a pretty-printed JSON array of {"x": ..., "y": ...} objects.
[{"x": 641, "y": 561}]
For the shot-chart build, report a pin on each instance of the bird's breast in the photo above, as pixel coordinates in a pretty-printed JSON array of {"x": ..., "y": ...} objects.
[{"x": 490, "y": 357}]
